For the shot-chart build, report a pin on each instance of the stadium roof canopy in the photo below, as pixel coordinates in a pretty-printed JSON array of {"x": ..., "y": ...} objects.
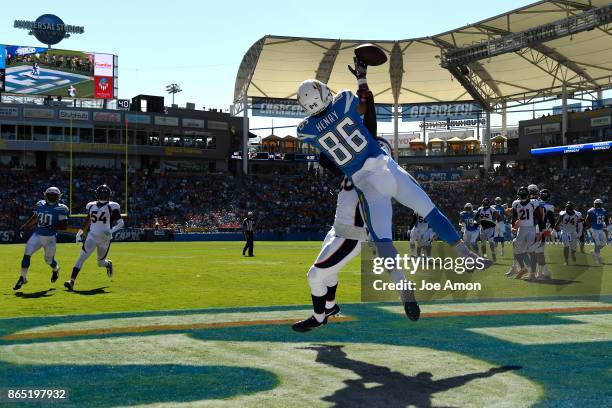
[{"x": 275, "y": 65}]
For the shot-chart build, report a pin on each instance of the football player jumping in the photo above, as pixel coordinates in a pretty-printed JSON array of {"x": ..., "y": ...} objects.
[
  {"x": 49, "y": 217},
  {"x": 335, "y": 127},
  {"x": 103, "y": 220},
  {"x": 341, "y": 244}
]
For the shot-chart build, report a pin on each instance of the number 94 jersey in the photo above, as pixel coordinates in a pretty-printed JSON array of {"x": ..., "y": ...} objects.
[
  {"x": 101, "y": 216},
  {"x": 339, "y": 133}
]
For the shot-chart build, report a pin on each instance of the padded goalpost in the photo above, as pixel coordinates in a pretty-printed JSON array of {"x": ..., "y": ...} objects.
[{"x": 124, "y": 130}]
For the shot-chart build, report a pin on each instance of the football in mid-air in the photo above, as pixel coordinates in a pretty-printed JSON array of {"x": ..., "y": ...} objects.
[{"x": 371, "y": 54}]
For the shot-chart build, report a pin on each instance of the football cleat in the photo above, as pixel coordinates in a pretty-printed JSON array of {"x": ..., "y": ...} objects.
[
  {"x": 69, "y": 284},
  {"x": 510, "y": 272},
  {"x": 334, "y": 311},
  {"x": 55, "y": 275},
  {"x": 520, "y": 273},
  {"x": 308, "y": 324},
  {"x": 413, "y": 311},
  {"x": 109, "y": 268},
  {"x": 20, "y": 282}
]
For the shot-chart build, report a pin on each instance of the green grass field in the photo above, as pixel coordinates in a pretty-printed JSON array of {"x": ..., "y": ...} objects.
[{"x": 196, "y": 324}]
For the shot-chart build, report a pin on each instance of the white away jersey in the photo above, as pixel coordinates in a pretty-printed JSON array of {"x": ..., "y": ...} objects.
[
  {"x": 487, "y": 219},
  {"x": 525, "y": 212},
  {"x": 100, "y": 216},
  {"x": 569, "y": 222}
]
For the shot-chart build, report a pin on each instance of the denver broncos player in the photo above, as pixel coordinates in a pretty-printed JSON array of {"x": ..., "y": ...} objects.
[
  {"x": 103, "y": 220},
  {"x": 423, "y": 236},
  {"x": 487, "y": 217},
  {"x": 525, "y": 217},
  {"x": 548, "y": 212},
  {"x": 500, "y": 225},
  {"x": 596, "y": 222},
  {"x": 49, "y": 217},
  {"x": 568, "y": 223},
  {"x": 335, "y": 127}
]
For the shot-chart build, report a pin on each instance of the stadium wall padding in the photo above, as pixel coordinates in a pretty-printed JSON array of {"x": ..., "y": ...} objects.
[{"x": 262, "y": 236}]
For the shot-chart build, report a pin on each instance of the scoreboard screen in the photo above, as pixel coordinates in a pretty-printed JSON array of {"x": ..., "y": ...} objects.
[{"x": 54, "y": 72}]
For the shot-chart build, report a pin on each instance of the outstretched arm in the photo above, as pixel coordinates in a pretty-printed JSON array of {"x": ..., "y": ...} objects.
[{"x": 367, "y": 108}]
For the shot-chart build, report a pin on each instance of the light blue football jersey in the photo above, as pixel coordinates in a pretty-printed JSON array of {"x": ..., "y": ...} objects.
[
  {"x": 339, "y": 133},
  {"x": 49, "y": 215},
  {"x": 500, "y": 209},
  {"x": 469, "y": 220},
  {"x": 598, "y": 218}
]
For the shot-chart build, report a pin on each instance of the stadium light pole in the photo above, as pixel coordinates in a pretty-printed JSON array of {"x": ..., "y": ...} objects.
[{"x": 173, "y": 89}]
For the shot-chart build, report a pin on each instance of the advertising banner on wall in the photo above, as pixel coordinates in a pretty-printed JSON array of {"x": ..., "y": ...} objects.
[
  {"x": 440, "y": 111},
  {"x": 290, "y": 108}
]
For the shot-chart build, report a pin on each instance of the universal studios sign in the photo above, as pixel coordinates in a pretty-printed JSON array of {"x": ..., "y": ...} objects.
[{"x": 49, "y": 29}]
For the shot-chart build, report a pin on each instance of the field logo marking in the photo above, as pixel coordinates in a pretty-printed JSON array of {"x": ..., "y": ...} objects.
[
  {"x": 592, "y": 328},
  {"x": 309, "y": 374}
]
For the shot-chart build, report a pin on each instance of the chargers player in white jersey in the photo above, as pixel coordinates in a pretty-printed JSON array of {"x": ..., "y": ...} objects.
[
  {"x": 525, "y": 217},
  {"x": 499, "y": 237},
  {"x": 341, "y": 244},
  {"x": 103, "y": 220},
  {"x": 596, "y": 223},
  {"x": 335, "y": 127},
  {"x": 568, "y": 224},
  {"x": 49, "y": 216},
  {"x": 469, "y": 226},
  {"x": 487, "y": 217}
]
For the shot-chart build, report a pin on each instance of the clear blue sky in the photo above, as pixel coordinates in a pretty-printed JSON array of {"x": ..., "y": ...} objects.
[{"x": 199, "y": 44}]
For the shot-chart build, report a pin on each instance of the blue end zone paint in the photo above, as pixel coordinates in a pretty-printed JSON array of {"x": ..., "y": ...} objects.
[{"x": 571, "y": 374}]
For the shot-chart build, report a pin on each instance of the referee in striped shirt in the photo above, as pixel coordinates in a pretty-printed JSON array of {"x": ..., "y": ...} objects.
[{"x": 247, "y": 226}]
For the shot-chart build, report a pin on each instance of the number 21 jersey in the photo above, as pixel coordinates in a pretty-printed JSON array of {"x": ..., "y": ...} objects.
[
  {"x": 525, "y": 212},
  {"x": 339, "y": 133}
]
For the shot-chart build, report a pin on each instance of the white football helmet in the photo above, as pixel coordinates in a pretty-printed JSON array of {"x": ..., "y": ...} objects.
[
  {"x": 314, "y": 96},
  {"x": 533, "y": 189},
  {"x": 52, "y": 195}
]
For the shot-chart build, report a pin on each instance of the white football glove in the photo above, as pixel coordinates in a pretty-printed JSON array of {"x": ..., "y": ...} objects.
[{"x": 79, "y": 236}]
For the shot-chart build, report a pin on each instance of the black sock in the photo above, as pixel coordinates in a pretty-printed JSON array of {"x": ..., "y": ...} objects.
[
  {"x": 331, "y": 293},
  {"x": 318, "y": 304},
  {"x": 75, "y": 272}
]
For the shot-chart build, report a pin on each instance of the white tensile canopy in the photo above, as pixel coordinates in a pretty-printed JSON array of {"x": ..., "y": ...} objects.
[{"x": 274, "y": 66}]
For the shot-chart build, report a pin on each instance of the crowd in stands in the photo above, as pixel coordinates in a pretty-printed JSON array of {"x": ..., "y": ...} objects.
[{"x": 218, "y": 202}]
